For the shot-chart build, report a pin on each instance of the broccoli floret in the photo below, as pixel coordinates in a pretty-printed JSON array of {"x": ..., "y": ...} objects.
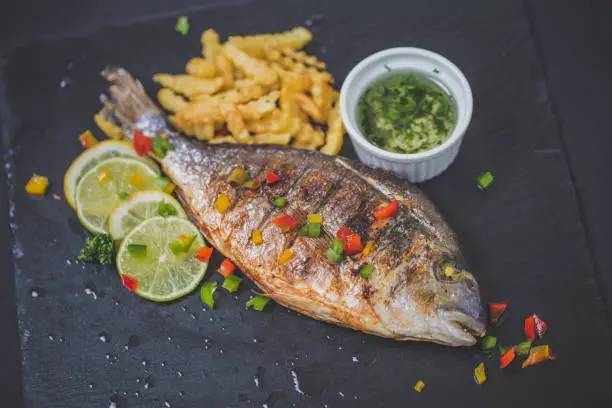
[{"x": 98, "y": 249}]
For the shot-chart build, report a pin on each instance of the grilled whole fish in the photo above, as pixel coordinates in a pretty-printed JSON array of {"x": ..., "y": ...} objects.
[{"x": 419, "y": 289}]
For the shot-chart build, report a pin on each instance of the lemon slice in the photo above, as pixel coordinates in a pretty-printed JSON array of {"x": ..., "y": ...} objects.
[
  {"x": 102, "y": 188},
  {"x": 145, "y": 256},
  {"x": 92, "y": 157},
  {"x": 139, "y": 207}
]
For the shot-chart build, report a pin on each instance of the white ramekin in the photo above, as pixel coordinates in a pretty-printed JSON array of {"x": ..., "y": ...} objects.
[{"x": 416, "y": 167}]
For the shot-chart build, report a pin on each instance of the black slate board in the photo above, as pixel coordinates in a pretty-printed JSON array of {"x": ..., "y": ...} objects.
[{"x": 523, "y": 238}]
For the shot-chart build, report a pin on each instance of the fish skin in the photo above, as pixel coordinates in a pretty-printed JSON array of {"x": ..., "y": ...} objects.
[{"x": 407, "y": 297}]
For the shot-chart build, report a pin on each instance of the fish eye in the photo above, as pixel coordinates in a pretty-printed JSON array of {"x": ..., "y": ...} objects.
[{"x": 448, "y": 270}]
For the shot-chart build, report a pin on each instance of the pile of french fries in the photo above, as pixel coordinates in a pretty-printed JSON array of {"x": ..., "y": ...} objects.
[{"x": 259, "y": 89}]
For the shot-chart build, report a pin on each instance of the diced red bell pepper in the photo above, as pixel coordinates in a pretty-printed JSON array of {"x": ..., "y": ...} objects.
[
  {"x": 203, "y": 254},
  {"x": 530, "y": 329},
  {"x": 286, "y": 222},
  {"x": 142, "y": 144},
  {"x": 496, "y": 311},
  {"x": 508, "y": 357},
  {"x": 271, "y": 177},
  {"x": 130, "y": 283},
  {"x": 352, "y": 244},
  {"x": 343, "y": 233},
  {"x": 226, "y": 268},
  {"x": 386, "y": 211},
  {"x": 540, "y": 326}
]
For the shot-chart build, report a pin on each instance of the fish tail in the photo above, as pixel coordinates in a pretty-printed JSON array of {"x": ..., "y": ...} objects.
[{"x": 128, "y": 104}]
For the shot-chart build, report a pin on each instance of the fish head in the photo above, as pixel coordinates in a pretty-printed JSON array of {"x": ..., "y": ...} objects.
[{"x": 435, "y": 298}]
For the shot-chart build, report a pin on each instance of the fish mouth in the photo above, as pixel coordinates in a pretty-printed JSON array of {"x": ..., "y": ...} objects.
[{"x": 464, "y": 329}]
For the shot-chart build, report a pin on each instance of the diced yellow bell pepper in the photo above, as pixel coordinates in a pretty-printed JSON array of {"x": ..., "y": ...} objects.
[
  {"x": 37, "y": 185},
  {"x": 109, "y": 128},
  {"x": 367, "y": 250},
  {"x": 136, "y": 179},
  {"x": 285, "y": 256},
  {"x": 256, "y": 237},
  {"x": 479, "y": 374},
  {"x": 169, "y": 189},
  {"x": 315, "y": 218},
  {"x": 222, "y": 203},
  {"x": 418, "y": 387},
  {"x": 87, "y": 139},
  {"x": 104, "y": 176}
]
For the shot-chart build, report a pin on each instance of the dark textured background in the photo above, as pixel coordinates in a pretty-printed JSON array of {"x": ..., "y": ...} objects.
[{"x": 538, "y": 237}]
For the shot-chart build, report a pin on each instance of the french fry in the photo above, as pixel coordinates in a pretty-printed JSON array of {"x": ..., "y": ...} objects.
[
  {"x": 109, "y": 128},
  {"x": 322, "y": 95},
  {"x": 187, "y": 85},
  {"x": 181, "y": 126},
  {"x": 201, "y": 67},
  {"x": 201, "y": 112},
  {"x": 252, "y": 67},
  {"x": 170, "y": 101},
  {"x": 273, "y": 123},
  {"x": 211, "y": 45},
  {"x": 226, "y": 69},
  {"x": 260, "y": 107},
  {"x": 335, "y": 131},
  {"x": 272, "y": 138},
  {"x": 205, "y": 131},
  {"x": 235, "y": 123},
  {"x": 223, "y": 139},
  {"x": 301, "y": 56},
  {"x": 309, "y": 107},
  {"x": 255, "y": 45}
]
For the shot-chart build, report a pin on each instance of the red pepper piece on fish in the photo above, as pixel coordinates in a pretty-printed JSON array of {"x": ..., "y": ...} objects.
[
  {"x": 508, "y": 357},
  {"x": 540, "y": 326},
  {"x": 386, "y": 211},
  {"x": 142, "y": 144},
  {"x": 271, "y": 177},
  {"x": 530, "y": 329},
  {"x": 130, "y": 283},
  {"x": 352, "y": 244},
  {"x": 226, "y": 268},
  {"x": 285, "y": 223},
  {"x": 496, "y": 312}
]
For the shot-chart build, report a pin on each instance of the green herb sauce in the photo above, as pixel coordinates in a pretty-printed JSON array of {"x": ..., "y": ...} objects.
[{"x": 406, "y": 113}]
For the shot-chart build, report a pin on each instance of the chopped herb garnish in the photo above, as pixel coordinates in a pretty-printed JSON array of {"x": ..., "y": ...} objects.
[
  {"x": 231, "y": 283},
  {"x": 122, "y": 195},
  {"x": 484, "y": 180},
  {"x": 166, "y": 210},
  {"x": 99, "y": 249},
  {"x": 182, "y": 25},
  {"x": 365, "y": 271},
  {"x": 137, "y": 250},
  {"x": 257, "y": 303},
  {"x": 189, "y": 243},
  {"x": 503, "y": 349},
  {"x": 436, "y": 71},
  {"x": 279, "y": 202},
  {"x": 335, "y": 252},
  {"x": 207, "y": 293},
  {"x": 488, "y": 342},
  {"x": 176, "y": 247},
  {"x": 252, "y": 184}
]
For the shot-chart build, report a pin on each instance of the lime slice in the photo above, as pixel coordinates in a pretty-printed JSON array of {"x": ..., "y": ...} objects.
[
  {"x": 162, "y": 276},
  {"x": 139, "y": 207},
  {"x": 100, "y": 189},
  {"x": 92, "y": 157}
]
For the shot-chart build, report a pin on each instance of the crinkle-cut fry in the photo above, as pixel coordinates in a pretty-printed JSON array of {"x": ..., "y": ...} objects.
[
  {"x": 245, "y": 83},
  {"x": 301, "y": 56},
  {"x": 272, "y": 138},
  {"x": 272, "y": 54},
  {"x": 260, "y": 107},
  {"x": 201, "y": 67},
  {"x": 290, "y": 118},
  {"x": 201, "y": 112},
  {"x": 171, "y": 101},
  {"x": 109, "y": 128},
  {"x": 211, "y": 45},
  {"x": 236, "y": 95},
  {"x": 256, "y": 45},
  {"x": 205, "y": 131},
  {"x": 181, "y": 126},
  {"x": 322, "y": 95},
  {"x": 226, "y": 69},
  {"x": 235, "y": 123},
  {"x": 308, "y": 138},
  {"x": 252, "y": 67},
  {"x": 187, "y": 85},
  {"x": 309, "y": 106},
  {"x": 273, "y": 123},
  {"x": 223, "y": 139},
  {"x": 335, "y": 131}
]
